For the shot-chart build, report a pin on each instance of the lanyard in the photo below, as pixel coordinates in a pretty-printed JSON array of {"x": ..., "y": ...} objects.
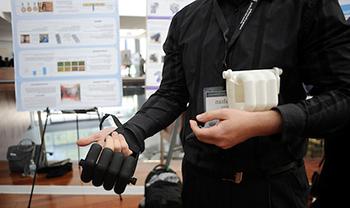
[{"x": 225, "y": 29}]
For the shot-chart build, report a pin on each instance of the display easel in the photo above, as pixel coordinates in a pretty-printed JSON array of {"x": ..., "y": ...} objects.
[
  {"x": 172, "y": 143},
  {"x": 42, "y": 131},
  {"x": 172, "y": 147}
]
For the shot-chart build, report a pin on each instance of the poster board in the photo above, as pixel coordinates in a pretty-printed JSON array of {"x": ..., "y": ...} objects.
[
  {"x": 159, "y": 15},
  {"x": 66, "y": 54}
]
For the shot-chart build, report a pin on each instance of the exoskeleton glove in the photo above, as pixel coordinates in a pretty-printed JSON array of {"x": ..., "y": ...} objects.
[{"x": 111, "y": 169}]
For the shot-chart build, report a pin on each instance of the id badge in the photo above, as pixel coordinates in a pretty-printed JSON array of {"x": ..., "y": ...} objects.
[{"x": 214, "y": 98}]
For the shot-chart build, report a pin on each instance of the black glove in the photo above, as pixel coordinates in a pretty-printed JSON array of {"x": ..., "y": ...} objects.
[{"x": 112, "y": 169}]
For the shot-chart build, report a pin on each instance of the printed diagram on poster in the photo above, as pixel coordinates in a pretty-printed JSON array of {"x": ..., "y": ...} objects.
[
  {"x": 36, "y": 7},
  {"x": 66, "y": 54},
  {"x": 345, "y": 5},
  {"x": 157, "y": 33},
  {"x": 159, "y": 15},
  {"x": 165, "y": 8},
  {"x": 73, "y": 94},
  {"x": 66, "y": 32},
  {"x": 157, "y": 30},
  {"x": 67, "y": 62},
  {"x": 57, "y": 7}
]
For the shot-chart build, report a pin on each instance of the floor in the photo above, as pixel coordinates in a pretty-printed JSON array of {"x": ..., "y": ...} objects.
[
  {"x": 65, "y": 201},
  {"x": 68, "y": 191}
]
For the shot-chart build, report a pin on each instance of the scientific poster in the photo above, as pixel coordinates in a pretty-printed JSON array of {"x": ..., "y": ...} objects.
[
  {"x": 159, "y": 15},
  {"x": 66, "y": 54}
]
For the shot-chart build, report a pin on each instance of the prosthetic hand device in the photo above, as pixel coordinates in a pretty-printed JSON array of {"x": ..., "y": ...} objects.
[{"x": 112, "y": 169}]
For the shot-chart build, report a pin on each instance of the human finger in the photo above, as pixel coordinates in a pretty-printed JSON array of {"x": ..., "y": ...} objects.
[
  {"x": 109, "y": 143},
  {"x": 117, "y": 145},
  {"x": 100, "y": 135},
  {"x": 124, "y": 145},
  {"x": 101, "y": 143},
  {"x": 204, "y": 134},
  {"x": 84, "y": 141},
  {"x": 219, "y": 114}
]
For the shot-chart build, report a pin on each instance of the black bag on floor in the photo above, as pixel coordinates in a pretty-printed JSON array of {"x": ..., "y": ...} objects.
[
  {"x": 24, "y": 154},
  {"x": 21, "y": 155},
  {"x": 163, "y": 189}
]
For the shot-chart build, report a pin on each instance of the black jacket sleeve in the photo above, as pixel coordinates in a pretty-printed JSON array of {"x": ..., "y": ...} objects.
[
  {"x": 169, "y": 101},
  {"x": 325, "y": 65}
]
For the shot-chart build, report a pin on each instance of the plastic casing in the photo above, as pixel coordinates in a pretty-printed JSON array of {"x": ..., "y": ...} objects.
[{"x": 253, "y": 90}]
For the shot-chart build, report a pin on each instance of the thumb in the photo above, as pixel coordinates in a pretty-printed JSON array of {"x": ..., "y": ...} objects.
[{"x": 219, "y": 114}]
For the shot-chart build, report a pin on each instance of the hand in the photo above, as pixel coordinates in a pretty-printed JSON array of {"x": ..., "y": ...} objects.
[
  {"x": 108, "y": 162},
  {"x": 116, "y": 142},
  {"x": 235, "y": 126}
]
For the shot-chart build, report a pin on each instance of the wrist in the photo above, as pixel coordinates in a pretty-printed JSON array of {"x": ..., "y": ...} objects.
[
  {"x": 130, "y": 139},
  {"x": 267, "y": 123}
]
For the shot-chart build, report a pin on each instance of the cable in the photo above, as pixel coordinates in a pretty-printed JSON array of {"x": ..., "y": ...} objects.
[
  {"x": 172, "y": 143},
  {"x": 98, "y": 114},
  {"x": 78, "y": 135},
  {"x": 38, "y": 158}
]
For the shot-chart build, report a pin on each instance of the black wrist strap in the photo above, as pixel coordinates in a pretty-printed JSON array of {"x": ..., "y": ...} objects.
[
  {"x": 115, "y": 119},
  {"x": 119, "y": 129}
]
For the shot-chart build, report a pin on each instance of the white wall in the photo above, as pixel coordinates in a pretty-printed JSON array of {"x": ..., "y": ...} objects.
[
  {"x": 5, "y": 6},
  {"x": 132, "y": 8}
]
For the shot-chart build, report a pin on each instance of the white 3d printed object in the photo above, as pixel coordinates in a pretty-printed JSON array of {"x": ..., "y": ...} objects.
[{"x": 253, "y": 90}]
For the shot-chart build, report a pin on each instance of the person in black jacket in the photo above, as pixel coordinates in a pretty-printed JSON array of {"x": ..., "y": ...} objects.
[{"x": 248, "y": 159}]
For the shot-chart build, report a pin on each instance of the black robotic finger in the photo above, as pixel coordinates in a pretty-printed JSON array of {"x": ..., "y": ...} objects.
[
  {"x": 89, "y": 163},
  {"x": 102, "y": 166},
  {"x": 125, "y": 175},
  {"x": 113, "y": 171}
]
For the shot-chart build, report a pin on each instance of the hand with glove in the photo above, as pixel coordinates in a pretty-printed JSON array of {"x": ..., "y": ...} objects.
[{"x": 111, "y": 160}]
